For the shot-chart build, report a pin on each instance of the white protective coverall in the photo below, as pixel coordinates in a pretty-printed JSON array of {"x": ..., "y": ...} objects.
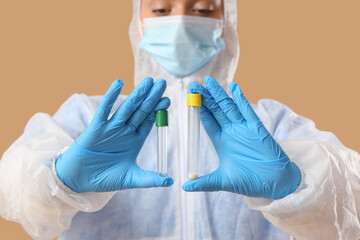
[{"x": 325, "y": 206}]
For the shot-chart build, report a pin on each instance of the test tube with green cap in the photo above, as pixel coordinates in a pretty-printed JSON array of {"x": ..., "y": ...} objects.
[
  {"x": 194, "y": 104},
  {"x": 162, "y": 124}
]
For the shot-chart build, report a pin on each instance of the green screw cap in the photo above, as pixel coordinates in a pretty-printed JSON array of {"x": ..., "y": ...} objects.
[{"x": 162, "y": 118}]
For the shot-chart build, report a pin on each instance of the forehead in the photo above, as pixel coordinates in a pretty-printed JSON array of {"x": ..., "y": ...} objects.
[{"x": 181, "y": 1}]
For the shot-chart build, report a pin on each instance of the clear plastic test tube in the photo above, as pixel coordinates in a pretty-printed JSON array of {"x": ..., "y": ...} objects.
[
  {"x": 194, "y": 104},
  {"x": 162, "y": 124}
]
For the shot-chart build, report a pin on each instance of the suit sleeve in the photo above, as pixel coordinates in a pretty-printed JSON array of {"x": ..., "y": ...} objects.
[
  {"x": 30, "y": 191},
  {"x": 327, "y": 203}
]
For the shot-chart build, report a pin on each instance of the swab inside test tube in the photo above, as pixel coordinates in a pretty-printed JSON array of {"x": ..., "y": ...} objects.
[
  {"x": 162, "y": 124},
  {"x": 194, "y": 104}
]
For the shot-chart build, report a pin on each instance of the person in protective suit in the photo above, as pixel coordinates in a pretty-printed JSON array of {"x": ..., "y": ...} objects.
[{"x": 266, "y": 173}]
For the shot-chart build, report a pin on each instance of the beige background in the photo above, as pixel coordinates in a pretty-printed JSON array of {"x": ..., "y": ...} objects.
[{"x": 305, "y": 54}]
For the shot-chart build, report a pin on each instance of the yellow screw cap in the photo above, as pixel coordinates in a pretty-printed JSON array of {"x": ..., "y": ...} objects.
[{"x": 194, "y": 100}]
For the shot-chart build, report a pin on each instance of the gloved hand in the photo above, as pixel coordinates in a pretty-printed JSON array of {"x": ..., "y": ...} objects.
[
  {"x": 103, "y": 157},
  {"x": 251, "y": 163}
]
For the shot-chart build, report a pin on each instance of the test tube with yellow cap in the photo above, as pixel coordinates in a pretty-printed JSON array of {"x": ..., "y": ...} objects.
[
  {"x": 194, "y": 104},
  {"x": 161, "y": 124}
]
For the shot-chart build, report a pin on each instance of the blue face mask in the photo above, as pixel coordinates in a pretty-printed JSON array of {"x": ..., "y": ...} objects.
[{"x": 182, "y": 44}]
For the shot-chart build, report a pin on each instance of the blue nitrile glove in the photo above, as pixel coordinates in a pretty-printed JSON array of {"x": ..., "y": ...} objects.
[
  {"x": 103, "y": 157},
  {"x": 251, "y": 163}
]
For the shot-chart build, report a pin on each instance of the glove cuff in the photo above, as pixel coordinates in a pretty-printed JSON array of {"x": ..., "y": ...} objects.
[{"x": 57, "y": 179}]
